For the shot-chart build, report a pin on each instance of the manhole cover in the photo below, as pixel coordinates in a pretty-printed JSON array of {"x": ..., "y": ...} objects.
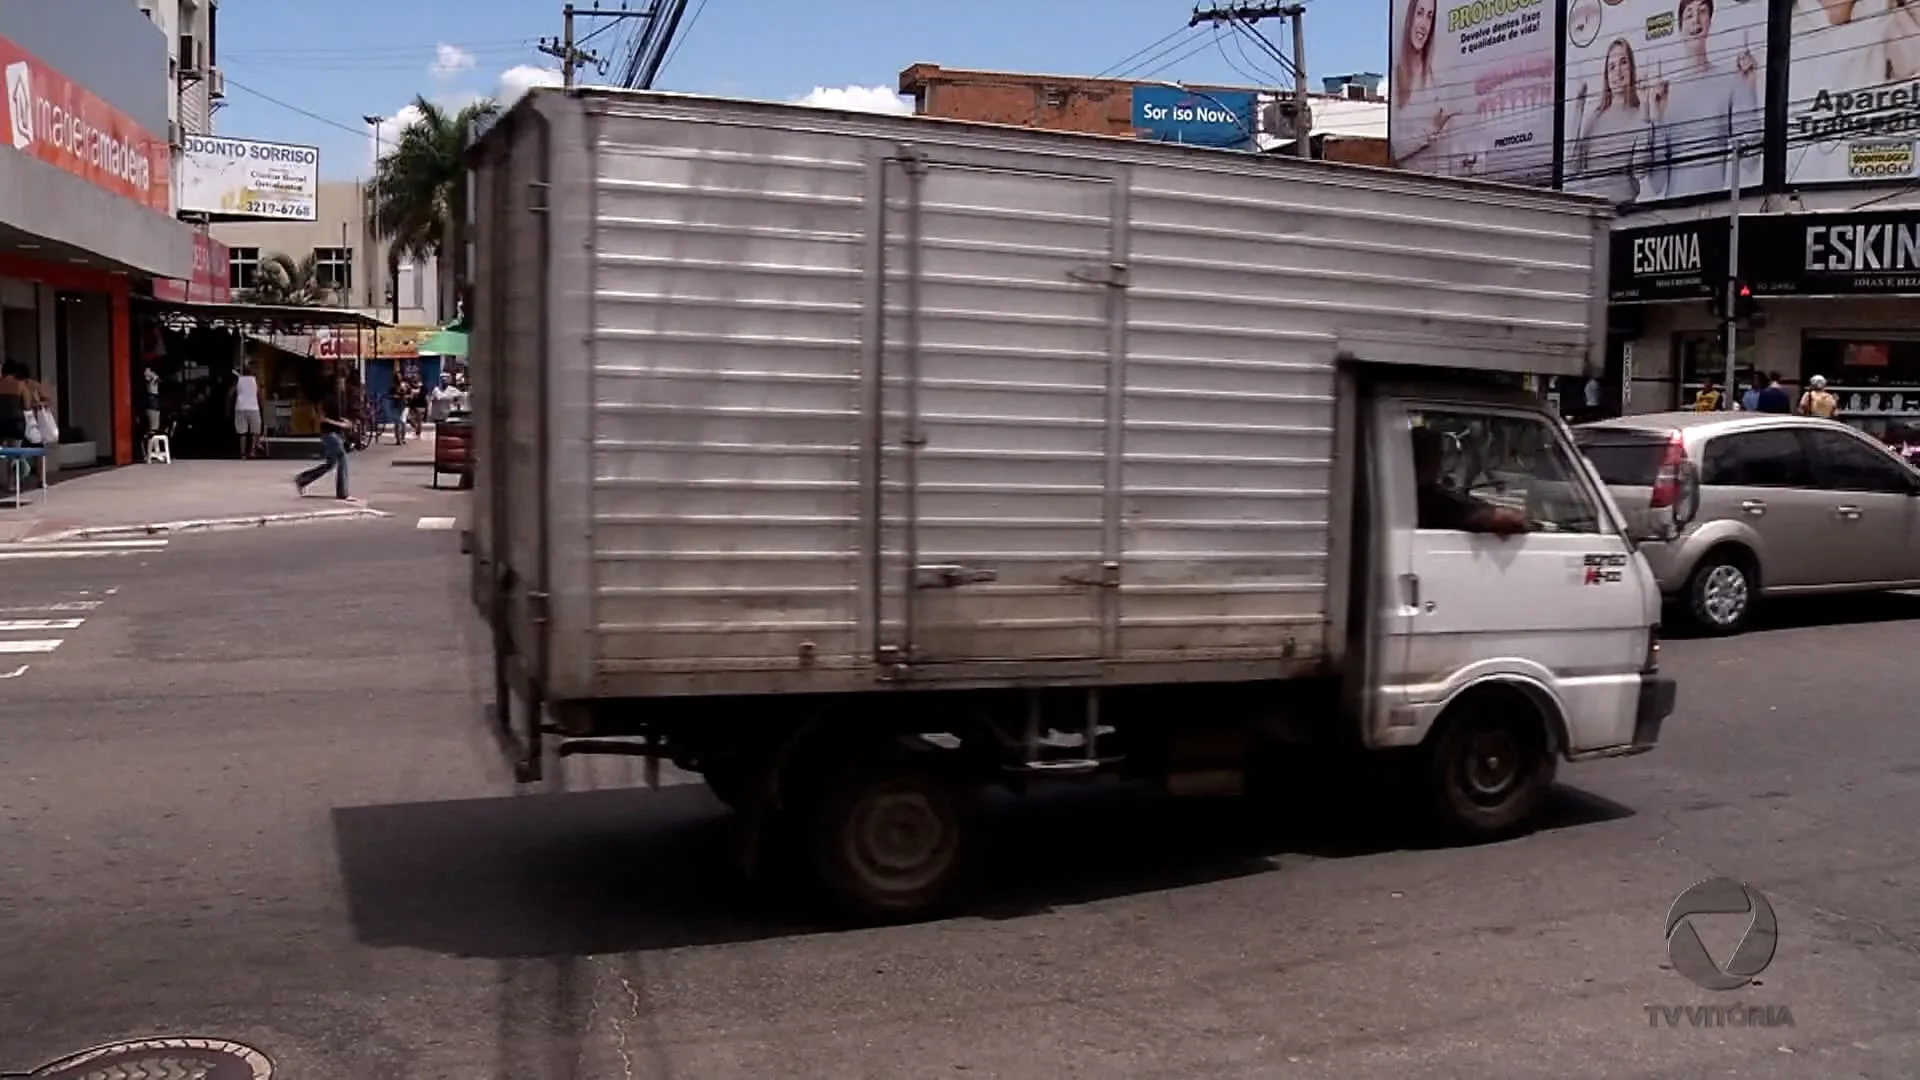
[{"x": 161, "y": 1059}]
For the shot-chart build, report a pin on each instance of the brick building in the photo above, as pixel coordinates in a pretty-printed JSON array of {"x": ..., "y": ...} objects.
[{"x": 1348, "y": 126}]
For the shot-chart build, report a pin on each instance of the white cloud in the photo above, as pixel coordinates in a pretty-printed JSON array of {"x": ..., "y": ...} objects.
[
  {"x": 450, "y": 60},
  {"x": 516, "y": 81},
  {"x": 858, "y": 99}
]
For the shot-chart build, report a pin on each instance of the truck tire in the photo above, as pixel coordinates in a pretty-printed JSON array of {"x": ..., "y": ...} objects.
[
  {"x": 890, "y": 838},
  {"x": 1721, "y": 592},
  {"x": 1489, "y": 769}
]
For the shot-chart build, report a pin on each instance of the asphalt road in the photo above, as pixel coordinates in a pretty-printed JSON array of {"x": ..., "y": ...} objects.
[{"x": 244, "y": 796}]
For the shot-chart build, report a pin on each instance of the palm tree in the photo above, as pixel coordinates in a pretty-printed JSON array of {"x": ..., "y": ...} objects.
[
  {"x": 284, "y": 280},
  {"x": 420, "y": 186}
]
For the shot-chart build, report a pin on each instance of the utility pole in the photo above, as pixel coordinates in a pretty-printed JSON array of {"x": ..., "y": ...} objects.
[
  {"x": 1296, "y": 18},
  {"x": 649, "y": 52},
  {"x": 1732, "y": 312},
  {"x": 571, "y": 56},
  {"x": 1242, "y": 17}
]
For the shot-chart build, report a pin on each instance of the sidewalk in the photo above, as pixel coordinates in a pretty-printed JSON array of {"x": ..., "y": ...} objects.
[{"x": 143, "y": 499}]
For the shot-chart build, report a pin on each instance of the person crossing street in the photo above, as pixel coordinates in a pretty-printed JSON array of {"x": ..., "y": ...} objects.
[{"x": 334, "y": 427}]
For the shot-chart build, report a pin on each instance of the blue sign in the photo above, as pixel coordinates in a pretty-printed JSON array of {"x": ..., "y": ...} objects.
[{"x": 1221, "y": 118}]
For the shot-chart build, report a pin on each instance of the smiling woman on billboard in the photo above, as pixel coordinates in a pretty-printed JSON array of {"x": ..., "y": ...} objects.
[
  {"x": 1472, "y": 88},
  {"x": 1695, "y": 70}
]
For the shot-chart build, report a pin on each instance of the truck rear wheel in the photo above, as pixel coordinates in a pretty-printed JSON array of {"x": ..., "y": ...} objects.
[
  {"x": 1489, "y": 769},
  {"x": 891, "y": 838}
]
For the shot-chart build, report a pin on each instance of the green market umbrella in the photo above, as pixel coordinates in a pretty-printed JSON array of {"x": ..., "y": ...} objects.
[{"x": 445, "y": 343}]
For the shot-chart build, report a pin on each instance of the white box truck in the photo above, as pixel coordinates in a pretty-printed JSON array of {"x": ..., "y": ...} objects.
[{"x": 859, "y": 463}]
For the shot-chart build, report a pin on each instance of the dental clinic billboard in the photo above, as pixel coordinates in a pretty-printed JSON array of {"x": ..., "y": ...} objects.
[
  {"x": 1217, "y": 118},
  {"x": 1853, "y": 91},
  {"x": 249, "y": 180},
  {"x": 1657, "y": 90},
  {"x": 1472, "y": 88}
]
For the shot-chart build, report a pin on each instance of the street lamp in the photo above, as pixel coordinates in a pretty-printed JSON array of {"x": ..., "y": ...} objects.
[{"x": 393, "y": 285}]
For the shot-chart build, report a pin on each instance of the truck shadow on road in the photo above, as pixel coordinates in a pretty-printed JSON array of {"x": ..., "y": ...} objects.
[{"x": 632, "y": 870}]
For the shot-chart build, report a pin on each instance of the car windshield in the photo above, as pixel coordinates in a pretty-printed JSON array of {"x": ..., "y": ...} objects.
[{"x": 1624, "y": 458}]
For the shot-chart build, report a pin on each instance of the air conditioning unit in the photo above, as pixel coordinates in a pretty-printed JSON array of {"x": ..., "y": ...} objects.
[
  {"x": 193, "y": 60},
  {"x": 216, "y": 84},
  {"x": 175, "y": 137}
]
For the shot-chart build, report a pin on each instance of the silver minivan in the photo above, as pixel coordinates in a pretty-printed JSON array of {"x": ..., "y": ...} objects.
[{"x": 1759, "y": 505}]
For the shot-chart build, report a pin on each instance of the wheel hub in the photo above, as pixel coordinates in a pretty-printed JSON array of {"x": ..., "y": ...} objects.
[
  {"x": 899, "y": 841},
  {"x": 1493, "y": 766},
  {"x": 1724, "y": 595}
]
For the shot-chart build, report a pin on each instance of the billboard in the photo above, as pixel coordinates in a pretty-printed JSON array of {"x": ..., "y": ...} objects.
[
  {"x": 58, "y": 121},
  {"x": 249, "y": 180},
  {"x": 1853, "y": 109},
  {"x": 1656, "y": 92},
  {"x": 1222, "y": 118},
  {"x": 1472, "y": 88},
  {"x": 1682, "y": 260}
]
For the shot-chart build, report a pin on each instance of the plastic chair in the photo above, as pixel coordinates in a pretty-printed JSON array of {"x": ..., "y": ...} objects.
[{"x": 160, "y": 447}]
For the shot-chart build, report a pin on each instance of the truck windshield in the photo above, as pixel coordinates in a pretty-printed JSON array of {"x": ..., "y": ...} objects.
[{"x": 1623, "y": 458}]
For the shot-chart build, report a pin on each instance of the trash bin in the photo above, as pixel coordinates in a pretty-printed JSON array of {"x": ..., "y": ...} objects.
[{"x": 453, "y": 449}]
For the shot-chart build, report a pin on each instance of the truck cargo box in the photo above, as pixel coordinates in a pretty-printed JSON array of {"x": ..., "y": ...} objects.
[{"x": 781, "y": 399}]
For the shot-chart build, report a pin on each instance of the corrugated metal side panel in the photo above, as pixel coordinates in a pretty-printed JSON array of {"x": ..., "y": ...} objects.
[
  {"x": 728, "y": 295},
  {"x": 1242, "y": 290},
  {"x": 522, "y": 299}
]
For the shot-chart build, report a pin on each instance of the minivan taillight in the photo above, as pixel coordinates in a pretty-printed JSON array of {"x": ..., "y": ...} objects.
[{"x": 1666, "y": 482}]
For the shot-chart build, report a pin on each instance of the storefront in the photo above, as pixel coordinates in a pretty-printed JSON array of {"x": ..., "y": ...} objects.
[
  {"x": 1834, "y": 294},
  {"x": 84, "y": 221},
  {"x": 195, "y": 350}
]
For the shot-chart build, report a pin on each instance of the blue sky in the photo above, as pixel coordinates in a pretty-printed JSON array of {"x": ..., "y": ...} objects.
[{"x": 328, "y": 65}]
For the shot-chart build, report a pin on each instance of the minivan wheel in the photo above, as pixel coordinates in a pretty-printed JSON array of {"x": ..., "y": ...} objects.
[{"x": 1720, "y": 594}]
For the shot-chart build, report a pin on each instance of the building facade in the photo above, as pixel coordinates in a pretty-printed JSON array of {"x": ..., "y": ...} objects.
[
  {"x": 190, "y": 28},
  {"x": 1349, "y": 122},
  {"x": 349, "y": 256},
  {"x": 85, "y": 206}
]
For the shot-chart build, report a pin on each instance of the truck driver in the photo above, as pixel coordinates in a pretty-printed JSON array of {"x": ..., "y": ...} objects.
[{"x": 1441, "y": 507}]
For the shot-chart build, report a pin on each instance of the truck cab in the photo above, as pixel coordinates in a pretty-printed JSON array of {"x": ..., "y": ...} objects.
[{"x": 1511, "y": 622}]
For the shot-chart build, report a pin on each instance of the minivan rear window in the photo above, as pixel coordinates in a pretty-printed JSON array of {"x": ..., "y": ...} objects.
[{"x": 1623, "y": 458}]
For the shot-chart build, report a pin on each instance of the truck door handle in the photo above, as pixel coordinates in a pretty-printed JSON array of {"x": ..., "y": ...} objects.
[
  {"x": 1848, "y": 513},
  {"x": 1412, "y": 582},
  {"x": 1754, "y": 507}
]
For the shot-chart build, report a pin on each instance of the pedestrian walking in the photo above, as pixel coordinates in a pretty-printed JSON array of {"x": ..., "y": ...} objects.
[
  {"x": 416, "y": 405},
  {"x": 1774, "y": 399},
  {"x": 334, "y": 428},
  {"x": 1818, "y": 400},
  {"x": 248, "y": 420},
  {"x": 397, "y": 401}
]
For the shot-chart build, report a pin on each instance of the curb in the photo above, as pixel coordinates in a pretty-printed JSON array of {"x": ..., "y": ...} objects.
[{"x": 255, "y": 521}]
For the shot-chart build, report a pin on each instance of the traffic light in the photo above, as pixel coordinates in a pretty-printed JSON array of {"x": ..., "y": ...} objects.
[{"x": 1743, "y": 302}]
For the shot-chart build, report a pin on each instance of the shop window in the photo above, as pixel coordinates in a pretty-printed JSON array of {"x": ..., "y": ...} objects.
[
  {"x": 1703, "y": 356},
  {"x": 333, "y": 268},
  {"x": 243, "y": 267},
  {"x": 1875, "y": 376}
]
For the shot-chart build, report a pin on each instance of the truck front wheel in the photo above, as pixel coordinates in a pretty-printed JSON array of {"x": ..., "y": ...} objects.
[
  {"x": 891, "y": 838},
  {"x": 1490, "y": 768}
]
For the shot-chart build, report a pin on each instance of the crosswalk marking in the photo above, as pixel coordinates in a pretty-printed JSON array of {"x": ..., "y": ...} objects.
[
  {"x": 87, "y": 549},
  {"x": 440, "y": 524},
  {"x": 37, "y": 645},
  {"x": 13, "y": 626},
  {"x": 56, "y": 606}
]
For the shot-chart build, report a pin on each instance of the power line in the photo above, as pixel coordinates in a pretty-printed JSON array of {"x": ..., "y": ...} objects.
[
  {"x": 1131, "y": 57},
  {"x": 674, "y": 50},
  {"x": 290, "y": 107}
]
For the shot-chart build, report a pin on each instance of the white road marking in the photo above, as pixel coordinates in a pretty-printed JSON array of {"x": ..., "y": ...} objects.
[
  {"x": 91, "y": 549},
  {"x": 437, "y": 523},
  {"x": 15, "y": 673},
  {"x": 14, "y": 626},
  {"x": 62, "y": 605},
  {"x": 38, "y": 645}
]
